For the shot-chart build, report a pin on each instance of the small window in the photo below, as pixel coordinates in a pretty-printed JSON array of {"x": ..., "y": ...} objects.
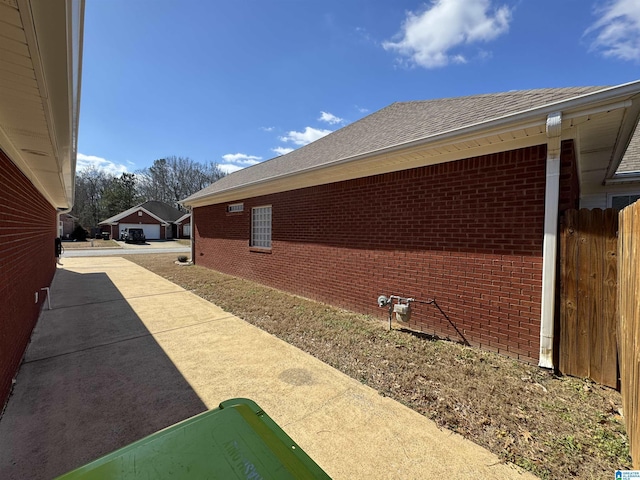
[
  {"x": 261, "y": 227},
  {"x": 620, "y": 201},
  {"x": 139, "y": 213},
  {"x": 235, "y": 207}
]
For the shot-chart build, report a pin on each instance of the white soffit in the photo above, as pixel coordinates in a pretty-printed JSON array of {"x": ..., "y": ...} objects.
[{"x": 40, "y": 51}]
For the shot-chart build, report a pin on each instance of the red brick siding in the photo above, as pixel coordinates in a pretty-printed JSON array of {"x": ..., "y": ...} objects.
[
  {"x": 181, "y": 228},
  {"x": 467, "y": 233},
  {"x": 28, "y": 227},
  {"x": 569, "y": 182}
]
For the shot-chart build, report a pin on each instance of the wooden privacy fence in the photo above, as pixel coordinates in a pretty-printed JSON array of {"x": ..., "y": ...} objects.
[
  {"x": 629, "y": 323},
  {"x": 588, "y": 278}
]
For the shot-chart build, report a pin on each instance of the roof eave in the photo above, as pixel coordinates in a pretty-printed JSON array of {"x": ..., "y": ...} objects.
[
  {"x": 116, "y": 218},
  {"x": 524, "y": 119},
  {"x": 54, "y": 32}
]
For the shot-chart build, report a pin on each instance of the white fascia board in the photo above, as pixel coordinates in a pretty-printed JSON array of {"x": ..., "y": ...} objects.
[
  {"x": 182, "y": 218},
  {"x": 623, "y": 178},
  {"x": 116, "y": 218},
  {"x": 601, "y": 100},
  {"x": 363, "y": 166},
  {"x": 54, "y": 32}
]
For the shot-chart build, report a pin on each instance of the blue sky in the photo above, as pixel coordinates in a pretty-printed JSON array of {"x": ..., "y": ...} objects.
[{"x": 243, "y": 81}]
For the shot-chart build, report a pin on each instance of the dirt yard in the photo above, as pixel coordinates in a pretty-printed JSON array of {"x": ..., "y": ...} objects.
[{"x": 555, "y": 427}]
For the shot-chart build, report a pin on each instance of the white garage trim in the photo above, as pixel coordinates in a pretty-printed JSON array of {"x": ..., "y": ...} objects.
[{"x": 151, "y": 230}]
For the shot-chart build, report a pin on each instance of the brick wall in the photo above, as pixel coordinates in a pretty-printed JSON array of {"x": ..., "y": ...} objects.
[
  {"x": 569, "y": 181},
  {"x": 467, "y": 233},
  {"x": 181, "y": 230},
  {"x": 27, "y": 263}
]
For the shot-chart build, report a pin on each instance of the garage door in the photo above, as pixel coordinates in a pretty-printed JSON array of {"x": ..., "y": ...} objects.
[{"x": 152, "y": 232}]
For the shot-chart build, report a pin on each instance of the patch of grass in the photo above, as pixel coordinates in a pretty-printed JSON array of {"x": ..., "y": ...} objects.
[
  {"x": 97, "y": 243},
  {"x": 554, "y": 427}
]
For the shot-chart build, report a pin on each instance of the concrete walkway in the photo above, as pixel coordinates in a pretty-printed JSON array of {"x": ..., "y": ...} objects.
[{"x": 124, "y": 353}]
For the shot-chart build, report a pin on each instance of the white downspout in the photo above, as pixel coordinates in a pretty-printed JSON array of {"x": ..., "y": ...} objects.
[{"x": 549, "y": 246}]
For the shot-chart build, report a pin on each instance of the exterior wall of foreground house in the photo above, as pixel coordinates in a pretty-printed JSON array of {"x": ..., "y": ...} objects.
[
  {"x": 467, "y": 233},
  {"x": 569, "y": 181},
  {"x": 27, "y": 264}
]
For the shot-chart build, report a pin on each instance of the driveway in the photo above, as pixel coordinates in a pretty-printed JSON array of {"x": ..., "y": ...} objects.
[
  {"x": 124, "y": 353},
  {"x": 151, "y": 246}
]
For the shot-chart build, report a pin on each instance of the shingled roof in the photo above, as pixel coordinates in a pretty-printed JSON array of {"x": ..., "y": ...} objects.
[
  {"x": 399, "y": 123},
  {"x": 631, "y": 160},
  {"x": 162, "y": 211}
]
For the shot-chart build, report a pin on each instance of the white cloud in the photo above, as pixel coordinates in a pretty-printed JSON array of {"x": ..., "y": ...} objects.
[
  {"x": 229, "y": 168},
  {"x": 303, "y": 138},
  {"x": 362, "y": 109},
  {"x": 238, "y": 161},
  {"x": 242, "y": 158},
  {"x": 330, "y": 118},
  {"x": 282, "y": 150},
  {"x": 267, "y": 129},
  {"x": 617, "y": 30},
  {"x": 429, "y": 37},
  {"x": 89, "y": 161}
]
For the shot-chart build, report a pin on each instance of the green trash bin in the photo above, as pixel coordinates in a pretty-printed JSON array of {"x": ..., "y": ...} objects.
[{"x": 236, "y": 440}]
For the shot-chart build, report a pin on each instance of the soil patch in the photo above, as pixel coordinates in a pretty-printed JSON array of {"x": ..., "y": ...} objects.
[{"x": 554, "y": 427}]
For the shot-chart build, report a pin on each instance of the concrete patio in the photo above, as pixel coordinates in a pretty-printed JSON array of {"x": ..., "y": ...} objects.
[{"x": 124, "y": 353}]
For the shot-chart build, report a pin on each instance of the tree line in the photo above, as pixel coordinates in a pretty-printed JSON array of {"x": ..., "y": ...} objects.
[{"x": 100, "y": 195}]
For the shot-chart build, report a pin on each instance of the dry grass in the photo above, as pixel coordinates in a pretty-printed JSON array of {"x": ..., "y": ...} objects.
[
  {"x": 96, "y": 243},
  {"x": 555, "y": 427}
]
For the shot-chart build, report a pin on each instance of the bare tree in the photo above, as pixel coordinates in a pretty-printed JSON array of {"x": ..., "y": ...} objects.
[
  {"x": 100, "y": 195},
  {"x": 174, "y": 178},
  {"x": 90, "y": 185}
]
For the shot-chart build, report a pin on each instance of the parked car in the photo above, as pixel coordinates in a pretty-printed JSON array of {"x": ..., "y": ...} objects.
[{"x": 133, "y": 235}]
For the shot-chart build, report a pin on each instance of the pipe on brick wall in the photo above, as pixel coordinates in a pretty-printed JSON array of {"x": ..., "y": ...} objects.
[{"x": 549, "y": 245}]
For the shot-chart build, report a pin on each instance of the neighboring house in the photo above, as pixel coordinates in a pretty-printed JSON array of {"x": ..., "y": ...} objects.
[
  {"x": 157, "y": 219},
  {"x": 39, "y": 97},
  {"x": 66, "y": 225},
  {"x": 183, "y": 226},
  {"x": 626, "y": 177},
  {"x": 453, "y": 199}
]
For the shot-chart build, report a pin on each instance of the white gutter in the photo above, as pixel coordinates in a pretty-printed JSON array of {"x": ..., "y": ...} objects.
[
  {"x": 523, "y": 119},
  {"x": 549, "y": 246}
]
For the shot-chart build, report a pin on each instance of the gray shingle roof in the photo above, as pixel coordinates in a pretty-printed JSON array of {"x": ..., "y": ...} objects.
[
  {"x": 160, "y": 209},
  {"x": 631, "y": 160},
  {"x": 396, "y": 124}
]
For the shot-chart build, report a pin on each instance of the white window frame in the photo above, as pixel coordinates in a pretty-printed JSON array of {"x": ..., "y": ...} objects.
[
  {"x": 235, "y": 207},
  {"x": 261, "y": 227},
  {"x": 629, "y": 193}
]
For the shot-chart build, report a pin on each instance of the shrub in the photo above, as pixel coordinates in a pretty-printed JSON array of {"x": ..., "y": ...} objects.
[
  {"x": 79, "y": 234},
  {"x": 182, "y": 258}
]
